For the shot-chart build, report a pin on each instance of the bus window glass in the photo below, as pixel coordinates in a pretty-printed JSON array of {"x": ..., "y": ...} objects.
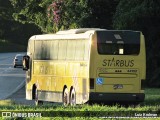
[
  {"x": 54, "y": 50},
  {"x": 71, "y": 49},
  {"x": 47, "y": 50},
  {"x": 62, "y": 49},
  {"x": 79, "y": 50},
  {"x": 38, "y": 46},
  {"x": 128, "y": 43},
  {"x": 44, "y": 50},
  {"x": 86, "y": 50}
]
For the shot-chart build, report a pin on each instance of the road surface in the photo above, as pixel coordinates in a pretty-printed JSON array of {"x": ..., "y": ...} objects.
[{"x": 12, "y": 80}]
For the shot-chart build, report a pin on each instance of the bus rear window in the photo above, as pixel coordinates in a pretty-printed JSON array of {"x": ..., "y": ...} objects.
[{"x": 118, "y": 42}]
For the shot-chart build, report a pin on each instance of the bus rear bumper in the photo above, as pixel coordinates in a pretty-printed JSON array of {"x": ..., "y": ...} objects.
[{"x": 117, "y": 97}]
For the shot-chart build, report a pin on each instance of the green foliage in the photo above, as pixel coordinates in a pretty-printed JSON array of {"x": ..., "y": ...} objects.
[
  {"x": 135, "y": 14},
  {"x": 5, "y": 14},
  {"x": 6, "y": 102},
  {"x": 13, "y": 31},
  {"x": 71, "y": 14},
  {"x": 30, "y": 11},
  {"x": 151, "y": 104},
  {"x": 11, "y": 47},
  {"x": 143, "y": 15},
  {"x": 6, "y": 10}
]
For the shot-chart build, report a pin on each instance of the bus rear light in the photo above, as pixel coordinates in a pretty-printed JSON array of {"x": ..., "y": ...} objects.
[{"x": 91, "y": 83}]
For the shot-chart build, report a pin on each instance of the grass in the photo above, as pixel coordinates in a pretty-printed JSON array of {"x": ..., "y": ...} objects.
[
  {"x": 152, "y": 97},
  {"x": 6, "y": 102},
  {"x": 151, "y": 105}
]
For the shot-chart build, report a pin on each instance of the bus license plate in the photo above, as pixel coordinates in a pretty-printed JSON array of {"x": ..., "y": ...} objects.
[{"x": 118, "y": 86}]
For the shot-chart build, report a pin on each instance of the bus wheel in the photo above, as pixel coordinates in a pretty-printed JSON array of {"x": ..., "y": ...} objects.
[
  {"x": 37, "y": 101},
  {"x": 65, "y": 97},
  {"x": 73, "y": 97}
]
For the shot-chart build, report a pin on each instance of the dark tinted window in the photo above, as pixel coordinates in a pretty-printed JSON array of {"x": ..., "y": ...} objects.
[
  {"x": 19, "y": 57},
  {"x": 75, "y": 49},
  {"x": 118, "y": 42},
  {"x": 42, "y": 50}
]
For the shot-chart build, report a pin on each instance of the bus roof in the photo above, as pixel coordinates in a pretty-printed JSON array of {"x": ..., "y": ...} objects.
[
  {"x": 82, "y": 33},
  {"x": 77, "y": 31}
]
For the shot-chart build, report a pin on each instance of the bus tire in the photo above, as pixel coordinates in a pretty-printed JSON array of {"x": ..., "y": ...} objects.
[
  {"x": 37, "y": 101},
  {"x": 72, "y": 97},
  {"x": 65, "y": 97}
]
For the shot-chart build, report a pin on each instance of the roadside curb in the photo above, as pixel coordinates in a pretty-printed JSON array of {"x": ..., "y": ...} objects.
[{"x": 14, "y": 91}]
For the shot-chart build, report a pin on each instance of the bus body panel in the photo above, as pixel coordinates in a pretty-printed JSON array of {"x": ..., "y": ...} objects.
[
  {"x": 98, "y": 77},
  {"x": 117, "y": 77},
  {"x": 50, "y": 88},
  {"x": 50, "y": 75}
]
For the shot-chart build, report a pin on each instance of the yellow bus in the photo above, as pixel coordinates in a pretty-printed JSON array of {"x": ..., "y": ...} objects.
[{"x": 80, "y": 65}]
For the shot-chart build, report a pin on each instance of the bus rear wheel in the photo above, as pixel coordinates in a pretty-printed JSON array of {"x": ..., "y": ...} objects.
[
  {"x": 72, "y": 97},
  {"x": 37, "y": 101},
  {"x": 65, "y": 97}
]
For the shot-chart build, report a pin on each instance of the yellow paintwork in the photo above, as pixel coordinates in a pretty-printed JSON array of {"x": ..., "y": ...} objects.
[
  {"x": 131, "y": 81},
  {"x": 67, "y": 72},
  {"x": 53, "y": 75}
]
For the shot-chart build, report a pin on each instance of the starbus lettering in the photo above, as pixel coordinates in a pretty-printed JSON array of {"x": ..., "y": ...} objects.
[{"x": 118, "y": 63}]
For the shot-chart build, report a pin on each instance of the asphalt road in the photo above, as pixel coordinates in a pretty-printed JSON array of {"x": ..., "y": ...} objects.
[{"x": 12, "y": 80}]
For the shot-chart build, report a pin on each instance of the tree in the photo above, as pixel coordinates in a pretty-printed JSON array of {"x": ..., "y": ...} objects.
[
  {"x": 65, "y": 14},
  {"x": 143, "y": 15},
  {"x": 13, "y": 31},
  {"x": 68, "y": 14},
  {"x": 5, "y": 15},
  {"x": 30, "y": 11}
]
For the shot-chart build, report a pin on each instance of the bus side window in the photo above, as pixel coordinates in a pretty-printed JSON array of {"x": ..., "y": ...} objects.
[
  {"x": 71, "y": 49},
  {"x": 79, "y": 50},
  {"x": 43, "y": 49},
  {"x": 54, "y": 50},
  {"x": 62, "y": 49},
  {"x": 37, "y": 54},
  {"x": 86, "y": 49},
  {"x": 48, "y": 46}
]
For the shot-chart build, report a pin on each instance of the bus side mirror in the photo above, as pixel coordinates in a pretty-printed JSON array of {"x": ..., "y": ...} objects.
[{"x": 26, "y": 62}]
